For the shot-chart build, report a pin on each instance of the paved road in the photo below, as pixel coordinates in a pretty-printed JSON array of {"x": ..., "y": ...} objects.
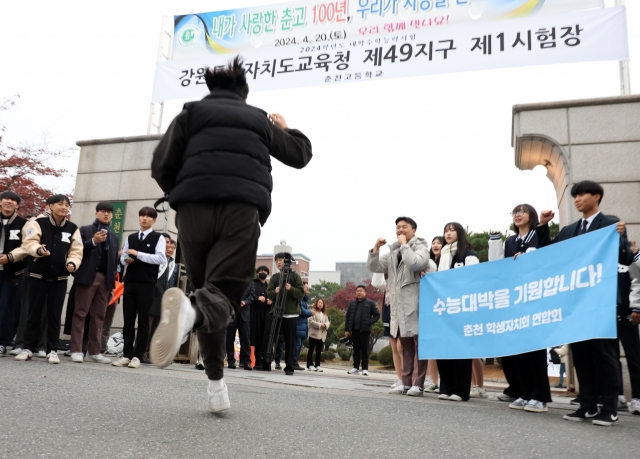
[{"x": 91, "y": 410}]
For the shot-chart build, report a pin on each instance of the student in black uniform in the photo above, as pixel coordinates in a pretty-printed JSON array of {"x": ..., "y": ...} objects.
[
  {"x": 530, "y": 368},
  {"x": 143, "y": 253},
  {"x": 259, "y": 310},
  {"x": 595, "y": 359},
  {"x": 455, "y": 375}
]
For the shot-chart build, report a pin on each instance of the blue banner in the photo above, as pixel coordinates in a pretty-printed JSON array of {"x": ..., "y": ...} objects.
[{"x": 561, "y": 294}]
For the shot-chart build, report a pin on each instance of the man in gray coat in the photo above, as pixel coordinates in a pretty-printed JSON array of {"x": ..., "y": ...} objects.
[{"x": 407, "y": 257}]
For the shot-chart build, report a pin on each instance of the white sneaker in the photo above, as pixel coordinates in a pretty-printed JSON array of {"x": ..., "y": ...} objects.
[
  {"x": 176, "y": 321},
  {"x": 396, "y": 383},
  {"x": 67, "y": 353},
  {"x": 77, "y": 357},
  {"x": 122, "y": 362},
  {"x": 16, "y": 351},
  {"x": 365, "y": 372},
  {"x": 634, "y": 406},
  {"x": 99, "y": 358},
  {"x": 219, "y": 399},
  {"x": 319, "y": 369},
  {"x": 24, "y": 355},
  {"x": 311, "y": 368},
  {"x": 535, "y": 406},
  {"x": 622, "y": 402},
  {"x": 42, "y": 354},
  {"x": 455, "y": 398},
  {"x": 478, "y": 392},
  {"x": 415, "y": 391},
  {"x": 399, "y": 390},
  {"x": 135, "y": 363},
  {"x": 518, "y": 404},
  {"x": 353, "y": 371},
  {"x": 52, "y": 357},
  {"x": 443, "y": 397}
]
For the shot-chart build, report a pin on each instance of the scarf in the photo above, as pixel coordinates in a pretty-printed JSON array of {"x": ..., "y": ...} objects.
[
  {"x": 101, "y": 227},
  {"x": 446, "y": 255}
]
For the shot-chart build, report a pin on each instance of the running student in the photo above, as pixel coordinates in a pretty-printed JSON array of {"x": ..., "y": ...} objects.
[
  {"x": 455, "y": 375},
  {"x": 530, "y": 368}
]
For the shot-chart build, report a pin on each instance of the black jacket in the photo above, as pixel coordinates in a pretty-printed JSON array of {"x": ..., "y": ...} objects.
[
  {"x": 625, "y": 256},
  {"x": 91, "y": 255},
  {"x": 12, "y": 241},
  {"x": 368, "y": 312},
  {"x": 248, "y": 296},
  {"x": 62, "y": 241},
  {"x": 220, "y": 148}
]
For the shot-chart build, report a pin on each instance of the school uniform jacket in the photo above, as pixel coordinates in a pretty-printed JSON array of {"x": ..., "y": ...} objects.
[
  {"x": 513, "y": 245},
  {"x": 634, "y": 272},
  {"x": 62, "y": 240},
  {"x": 13, "y": 245}
]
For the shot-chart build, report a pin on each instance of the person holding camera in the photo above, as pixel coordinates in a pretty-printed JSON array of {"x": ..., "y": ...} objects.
[
  {"x": 94, "y": 280},
  {"x": 294, "y": 291},
  {"x": 362, "y": 313}
]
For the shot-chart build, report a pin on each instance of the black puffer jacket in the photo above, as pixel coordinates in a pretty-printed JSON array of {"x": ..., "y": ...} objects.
[
  {"x": 368, "y": 312},
  {"x": 220, "y": 148}
]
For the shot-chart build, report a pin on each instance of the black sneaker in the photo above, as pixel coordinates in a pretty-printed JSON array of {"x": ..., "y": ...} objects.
[
  {"x": 575, "y": 401},
  {"x": 298, "y": 368},
  {"x": 231, "y": 366},
  {"x": 580, "y": 415},
  {"x": 259, "y": 368},
  {"x": 288, "y": 372},
  {"x": 278, "y": 367},
  {"x": 606, "y": 420}
]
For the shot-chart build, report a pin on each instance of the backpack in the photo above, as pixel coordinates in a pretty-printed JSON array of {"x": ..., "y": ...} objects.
[{"x": 554, "y": 357}]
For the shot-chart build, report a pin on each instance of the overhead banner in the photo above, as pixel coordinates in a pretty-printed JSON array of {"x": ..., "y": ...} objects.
[
  {"x": 308, "y": 22},
  {"x": 560, "y": 294},
  {"x": 583, "y": 36}
]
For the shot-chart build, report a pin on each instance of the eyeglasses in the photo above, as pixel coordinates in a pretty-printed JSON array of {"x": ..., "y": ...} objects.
[{"x": 517, "y": 213}]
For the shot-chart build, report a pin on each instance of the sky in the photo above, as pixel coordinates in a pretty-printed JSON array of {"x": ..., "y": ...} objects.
[{"x": 436, "y": 148}]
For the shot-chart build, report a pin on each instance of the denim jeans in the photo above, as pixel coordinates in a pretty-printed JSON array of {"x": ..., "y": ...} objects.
[{"x": 562, "y": 370}]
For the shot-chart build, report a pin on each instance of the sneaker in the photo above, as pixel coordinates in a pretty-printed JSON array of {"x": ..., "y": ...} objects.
[
  {"x": 518, "y": 404},
  {"x": 278, "y": 367},
  {"x": 415, "y": 391},
  {"x": 76, "y": 357},
  {"x": 199, "y": 365},
  {"x": 634, "y": 406},
  {"x": 396, "y": 383},
  {"x": 433, "y": 388},
  {"x": 24, "y": 355},
  {"x": 52, "y": 357},
  {"x": 399, "y": 390},
  {"x": 443, "y": 397},
  {"x": 42, "y": 354},
  {"x": 454, "y": 398},
  {"x": 67, "y": 353},
  {"x": 365, "y": 372},
  {"x": 606, "y": 420},
  {"x": 575, "y": 401},
  {"x": 534, "y": 406},
  {"x": 622, "y": 403},
  {"x": 135, "y": 363},
  {"x": 311, "y": 368},
  {"x": 219, "y": 399},
  {"x": 580, "y": 415},
  {"x": 297, "y": 368},
  {"x": 3, "y": 351},
  {"x": 505, "y": 398},
  {"x": 16, "y": 350},
  {"x": 478, "y": 392},
  {"x": 559, "y": 386},
  {"x": 122, "y": 362},
  {"x": 353, "y": 371},
  {"x": 319, "y": 369},
  {"x": 99, "y": 358},
  {"x": 176, "y": 321}
]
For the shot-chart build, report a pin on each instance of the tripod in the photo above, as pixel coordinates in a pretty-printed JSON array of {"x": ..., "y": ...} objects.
[{"x": 278, "y": 311}]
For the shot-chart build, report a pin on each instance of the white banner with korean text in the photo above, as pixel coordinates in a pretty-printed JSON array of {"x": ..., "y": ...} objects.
[{"x": 595, "y": 35}]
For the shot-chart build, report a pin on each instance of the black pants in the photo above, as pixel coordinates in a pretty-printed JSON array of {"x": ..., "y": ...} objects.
[
  {"x": 455, "y": 377},
  {"x": 597, "y": 369},
  {"x": 628, "y": 336},
  {"x": 360, "y": 349},
  {"x": 315, "y": 345},
  {"x": 510, "y": 369},
  {"x": 219, "y": 242},
  {"x": 245, "y": 343},
  {"x": 137, "y": 299},
  {"x": 53, "y": 294},
  {"x": 533, "y": 378}
]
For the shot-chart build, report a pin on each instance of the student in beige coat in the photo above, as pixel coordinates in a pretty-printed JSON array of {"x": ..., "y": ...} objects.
[{"x": 318, "y": 326}]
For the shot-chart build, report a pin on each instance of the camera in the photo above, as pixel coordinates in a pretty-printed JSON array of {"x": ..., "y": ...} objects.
[{"x": 346, "y": 340}]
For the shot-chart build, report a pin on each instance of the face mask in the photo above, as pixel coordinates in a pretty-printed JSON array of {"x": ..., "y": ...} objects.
[{"x": 262, "y": 276}]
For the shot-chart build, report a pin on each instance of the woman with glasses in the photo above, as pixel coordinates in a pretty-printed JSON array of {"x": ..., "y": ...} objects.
[{"x": 530, "y": 367}]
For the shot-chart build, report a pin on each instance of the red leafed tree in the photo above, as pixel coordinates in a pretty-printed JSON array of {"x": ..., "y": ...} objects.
[
  {"x": 342, "y": 298},
  {"x": 21, "y": 165}
]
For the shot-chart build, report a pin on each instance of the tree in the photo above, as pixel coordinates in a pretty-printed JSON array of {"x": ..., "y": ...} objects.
[
  {"x": 343, "y": 297},
  {"x": 336, "y": 319},
  {"x": 21, "y": 165},
  {"x": 377, "y": 330},
  {"x": 554, "y": 229},
  {"x": 324, "y": 290}
]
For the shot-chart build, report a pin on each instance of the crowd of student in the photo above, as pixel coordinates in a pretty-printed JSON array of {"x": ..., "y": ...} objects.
[{"x": 38, "y": 254}]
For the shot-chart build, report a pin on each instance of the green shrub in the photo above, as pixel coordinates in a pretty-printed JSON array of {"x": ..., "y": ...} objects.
[
  {"x": 328, "y": 355},
  {"x": 344, "y": 354},
  {"x": 385, "y": 356},
  {"x": 373, "y": 356},
  {"x": 303, "y": 356}
]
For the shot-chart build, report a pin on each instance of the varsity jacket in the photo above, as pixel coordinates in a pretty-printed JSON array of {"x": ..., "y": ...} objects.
[
  {"x": 62, "y": 240},
  {"x": 634, "y": 272},
  {"x": 513, "y": 245},
  {"x": 13, "y": 245}
]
